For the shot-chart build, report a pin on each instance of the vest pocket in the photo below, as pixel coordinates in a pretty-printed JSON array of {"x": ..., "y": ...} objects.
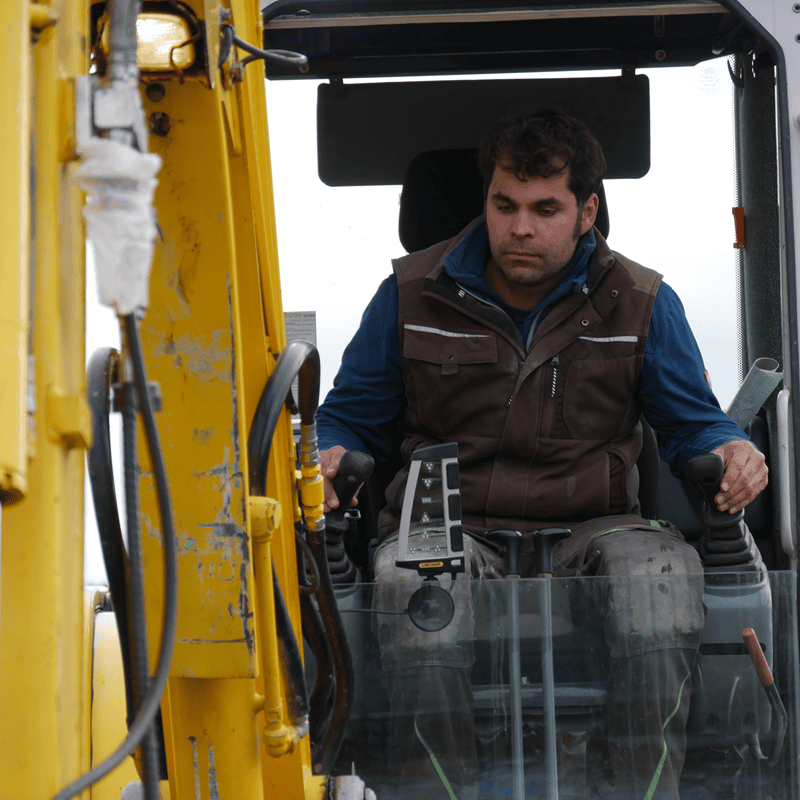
[
  {"x": 448, "y": 348},
  {"x": 447, "y": 369},
  {"x": 598, "y": 397}
]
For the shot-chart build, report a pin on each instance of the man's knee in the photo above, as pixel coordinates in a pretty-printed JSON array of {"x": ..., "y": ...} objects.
[{"x": 653, "y": 593}]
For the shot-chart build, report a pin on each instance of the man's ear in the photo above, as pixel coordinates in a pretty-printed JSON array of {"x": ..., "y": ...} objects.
[{"x": 589, "y": 213}]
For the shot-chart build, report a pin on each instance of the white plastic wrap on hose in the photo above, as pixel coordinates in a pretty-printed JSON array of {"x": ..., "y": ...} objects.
[{"x": 119, "y": 182}]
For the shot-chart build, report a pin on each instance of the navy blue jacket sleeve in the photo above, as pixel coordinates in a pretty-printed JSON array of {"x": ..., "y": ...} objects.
[
  {"x": 673, "y": 393},
  {"x": 368, "y": 390}
]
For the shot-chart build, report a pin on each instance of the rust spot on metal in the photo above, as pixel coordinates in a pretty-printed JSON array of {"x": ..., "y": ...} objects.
[
  {"x": 213, "y": 789},
  {"x": 202, "y": 435},
  {"x": 198, "y": 357},
  {"x": 195, "y": 767}
]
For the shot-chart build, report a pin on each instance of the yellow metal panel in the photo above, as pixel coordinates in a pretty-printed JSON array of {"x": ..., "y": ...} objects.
[
  {"x": 42, "y": 681},
  {"x": 108, "y": 708},
  {"x": 15, "y": 235},
  {"x": 192, "y": 341},
  {"x": 212, "y": 740}
]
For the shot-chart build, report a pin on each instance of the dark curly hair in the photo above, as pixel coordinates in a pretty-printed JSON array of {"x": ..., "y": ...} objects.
[{"x": 541, "y": 145}]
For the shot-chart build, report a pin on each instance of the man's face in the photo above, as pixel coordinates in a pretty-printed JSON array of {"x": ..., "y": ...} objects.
[{"x": 533, "y": 226}]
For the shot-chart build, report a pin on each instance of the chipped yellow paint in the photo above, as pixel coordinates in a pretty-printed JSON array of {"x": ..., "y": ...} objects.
[
  {"x": 193, "y": 346},
  {"x": 203, "y": 359}
]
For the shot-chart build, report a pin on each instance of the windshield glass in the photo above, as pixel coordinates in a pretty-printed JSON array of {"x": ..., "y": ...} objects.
[
  {"x": 413, "y": 735},
  {"x": 336, "y": 244}
]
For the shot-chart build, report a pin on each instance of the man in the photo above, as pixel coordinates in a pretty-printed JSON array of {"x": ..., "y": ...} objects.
[{"x": 536, "y": 348}]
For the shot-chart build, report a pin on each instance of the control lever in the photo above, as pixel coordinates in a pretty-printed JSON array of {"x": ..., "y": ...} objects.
[
  {"x": 511, "y": 550},
  {"x": 727, "y": 543},
  {"x": 354, "y": 469},
  {"x": 707, "y": 471},
  {"x": 768, "y": 682},
  {"x": 546, "y": 539}
]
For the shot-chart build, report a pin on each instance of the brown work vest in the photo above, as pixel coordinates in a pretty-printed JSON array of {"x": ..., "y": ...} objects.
[{"x": 547, "y": 435}]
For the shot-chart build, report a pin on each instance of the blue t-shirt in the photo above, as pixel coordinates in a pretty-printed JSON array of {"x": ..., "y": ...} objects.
[{"x": 368, "y": 391}]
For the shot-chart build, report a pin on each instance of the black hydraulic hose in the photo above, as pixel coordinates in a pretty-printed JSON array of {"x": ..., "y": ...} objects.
[
  {"x": 298, "y": 358},
  {"x": 342, "y": 658},
  {"x": 333, "y": 736},
  {"x": 311, "y": 563},
  {"x": 152, "y": 700},
  {"x": 101, "y": 373},
  {"x": 137, "y": 617},
  {"x": 314, "y": 634},
  {"x": 279, "y": 384},
  {"x": 225, "y": 47},
  {"x": 301, "y": 358},
  {"x": 291, "y": 663}
]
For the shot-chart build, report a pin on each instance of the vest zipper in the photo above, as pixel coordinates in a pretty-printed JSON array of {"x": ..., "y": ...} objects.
[{"x": 554, "y": 364}]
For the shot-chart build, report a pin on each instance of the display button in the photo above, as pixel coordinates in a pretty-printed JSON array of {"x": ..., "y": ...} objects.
[
  {"x": 453, "y": 478},
  {"x": 454, "y": 506},
  {"x": 456, "y": 539}
]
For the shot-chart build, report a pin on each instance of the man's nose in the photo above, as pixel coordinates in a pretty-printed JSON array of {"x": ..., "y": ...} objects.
[{"x": 523, "y": 225}]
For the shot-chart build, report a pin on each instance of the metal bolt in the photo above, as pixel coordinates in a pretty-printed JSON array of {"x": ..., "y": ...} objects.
[
  {"x": 224, "y": 14},
  {"x": 660, "y": 55},
  {"x": 614, "y": 293},
  {"x": 155, "y": 92},
  {"x": 159, "y": 123},
  {"x": 796, "y": 8}
]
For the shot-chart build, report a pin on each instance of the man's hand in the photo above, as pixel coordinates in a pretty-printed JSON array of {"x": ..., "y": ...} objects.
[
  {"x": 329, "y": 466},
  {"x": 744, "y": 478}
]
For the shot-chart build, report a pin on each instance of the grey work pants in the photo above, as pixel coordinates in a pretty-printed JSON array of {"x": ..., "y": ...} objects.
[{"x": 652, "y": 629}]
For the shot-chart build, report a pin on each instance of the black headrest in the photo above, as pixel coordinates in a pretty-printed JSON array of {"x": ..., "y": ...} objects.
[{"x": 443, "y": 193}]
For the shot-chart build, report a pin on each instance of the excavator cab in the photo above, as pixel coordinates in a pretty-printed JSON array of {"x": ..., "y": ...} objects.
[
  {"x": 245, "y": 172},
  {"x": 401, "y": 122}
]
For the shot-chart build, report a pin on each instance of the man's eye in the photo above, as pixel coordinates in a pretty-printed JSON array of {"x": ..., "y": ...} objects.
[
  {"x": 548, "y": 211},
  {"x": 505, "y": 208}
]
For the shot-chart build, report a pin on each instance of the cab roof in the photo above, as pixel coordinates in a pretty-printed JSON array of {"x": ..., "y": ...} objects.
[{"x": 364, "y": 38}]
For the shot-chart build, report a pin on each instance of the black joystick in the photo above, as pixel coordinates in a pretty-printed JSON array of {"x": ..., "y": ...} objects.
[
  {"x": 727, "y": 544},
  {"x": 546, "y": 539},
  {"x": 354, "y": 468},
  {"x": 510, "y": 548}
]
